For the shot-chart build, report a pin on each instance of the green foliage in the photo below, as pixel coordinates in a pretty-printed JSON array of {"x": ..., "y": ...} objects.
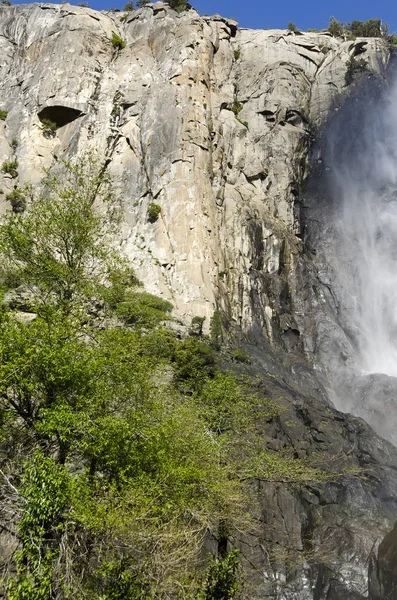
[
  {"x": 195, "y": 361},
  {"x": 178, "y": 5},
  {"x": 240, "y": 356},
  {"x": 10, "y": 167},
  {"x": 143, "y": 309},
  {"x": 354, "y": 67},
  {"x": 14, "y": 144},
  {"x": 44, "y": 492},
  {"x": 125, "y": 446},
  {"x": 391, "y": 39},
  {"x": 49, "y": 127},
  {"x": 237, "y": 54},
  {"x": 224, "y": 578},
  {"x": 153, "y": 212},
  {"x": 370, "y": 28},
  {"x": 5, "y": 3},
  {"x": 129, "y": 7},
  {"x": 335, "y": 28},
  {"x": 142, "y": 3},
  {"x": 17, "y": 198},
  {"x": 62, "y": 246},
  {"x": 196, "y": 327},
  {"x": 3, "y": 115},
  {"x": 237, "y": 107},
  {"x": 216, "y": 330},
  {"x": 117, "y": 41},
  {"x": 292, "y": 26}
]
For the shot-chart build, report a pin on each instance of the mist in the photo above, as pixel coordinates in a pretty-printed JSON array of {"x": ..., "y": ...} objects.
[{"x": 361, "y": 158}]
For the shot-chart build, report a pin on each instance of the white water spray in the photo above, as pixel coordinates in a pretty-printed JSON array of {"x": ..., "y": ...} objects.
[{"x": 365, "y": 179}]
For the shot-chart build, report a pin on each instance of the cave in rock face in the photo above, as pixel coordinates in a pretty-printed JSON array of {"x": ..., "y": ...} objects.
[{"x": 61, "y": 115}]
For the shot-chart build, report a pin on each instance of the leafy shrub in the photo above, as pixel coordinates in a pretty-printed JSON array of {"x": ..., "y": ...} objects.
[
  {"x": 391, "y": 41},
  {"x": 237, "y": 54},
  {"x": 237, "y": 107},
  {"x": 335, "y": 28},
  {"x": 3, "y": 115},
  {"x": 153, "y": 212},
  {"x": 194, "y": 361},
  {"x": 355, "y": 66},
  {"x": 142, "y": 3},
  {"x": 49, "y": 127},
  {"x": 10, "y": 167},
  {"x": 370, "y": 28},
  {"x": 117, "y": 41},
  {"x": 143, "y": 309},
  {"x": 5, "y": 3},
  {"x": 196, "y": 327},
  {"x": 224, "y": 578},
  {"x": 14, "y": 144},
  {"x": 128, "y": 7},
  {"x": 292, "y": 26},
  {"x": 216, "y": 330},
  {"x": 240, "y": 356},
  {"x": 18, "y": 200},
  {"x": 178, "y": 5}
]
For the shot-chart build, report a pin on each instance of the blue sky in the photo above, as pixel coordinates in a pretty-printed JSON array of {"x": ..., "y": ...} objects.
[
  {"x": 261, "y": 14},
  {"x": 305, "y": 13}
]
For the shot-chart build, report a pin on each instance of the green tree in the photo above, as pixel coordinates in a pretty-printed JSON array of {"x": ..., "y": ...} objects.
[
  {"x": 120, "y": 467},
  {"x": 179, "y": 5},
  {"x": 336, "y": 28}
]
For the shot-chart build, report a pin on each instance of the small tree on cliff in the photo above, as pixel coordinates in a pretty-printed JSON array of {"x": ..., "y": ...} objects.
[{"x": 179, "y": 5}]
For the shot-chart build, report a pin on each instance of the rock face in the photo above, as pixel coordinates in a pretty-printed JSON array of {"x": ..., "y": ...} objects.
[{"x": 214, "y": 124}]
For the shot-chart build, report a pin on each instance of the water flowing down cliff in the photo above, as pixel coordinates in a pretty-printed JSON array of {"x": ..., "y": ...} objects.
[{"x": 257, "y": 175}]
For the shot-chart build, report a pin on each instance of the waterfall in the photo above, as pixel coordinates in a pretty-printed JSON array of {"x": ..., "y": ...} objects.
[{"x": 361, "y": 158}]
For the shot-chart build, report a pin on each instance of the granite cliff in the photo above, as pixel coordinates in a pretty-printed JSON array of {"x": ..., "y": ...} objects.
[{"x": 221, "y": 128}]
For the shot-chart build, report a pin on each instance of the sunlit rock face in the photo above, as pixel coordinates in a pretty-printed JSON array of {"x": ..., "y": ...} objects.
[
  {"x": 220, "y": 127},
  {"x": 161, "y": 111}
]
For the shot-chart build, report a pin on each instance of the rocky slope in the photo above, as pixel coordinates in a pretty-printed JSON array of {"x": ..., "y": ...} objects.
[{"x": 214, "y": 124}]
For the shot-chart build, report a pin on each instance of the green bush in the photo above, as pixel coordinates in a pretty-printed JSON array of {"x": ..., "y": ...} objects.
[
  {"x": 117, "y": 41},
  {"x": 153, "y": 212},
  {"x": 18, "y": 200},
  {"x": 237, "y": 107},
  {"x": 128, "y": 7},
  {"x": 143, "y": 309},
  {"x": 237, "y": 54},
  {"x": 14, "y": 144},
  {"x": 49, "y": 127},
  {"x": 178, "y": 5},
  {"x": 240, "y": 356},
  {"x": 335, "y": 28},
  {"x": 194, "y": 361},
  {"x": 196, "y": 328},
  {"x": 224, "y": 578},
  {"x": 391, "y": 41},
  {"x": 216, "y": 330},
  {"x": 10, "y": 167},
  {"x": 292, "y": 26},
  {"x": 3, "y": 115},
  {"x": 354, "y": 67},
  {"x": 142, "y": 3}
]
